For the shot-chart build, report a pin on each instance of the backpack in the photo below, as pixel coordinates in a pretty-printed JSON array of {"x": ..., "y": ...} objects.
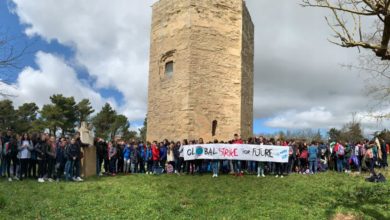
[
  {"x": 376, "y": 178},
  {"x": 340, "y": 150}
]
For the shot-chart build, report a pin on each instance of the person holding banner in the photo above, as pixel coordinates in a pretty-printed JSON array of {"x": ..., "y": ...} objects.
[
  {"x": 279, "y": 166},
  {"x": 215, "y": 164},
  {"x": 260, "y": 165},
  {"x": 237, "y": 163},
  {"x": 198, "y": 162}
]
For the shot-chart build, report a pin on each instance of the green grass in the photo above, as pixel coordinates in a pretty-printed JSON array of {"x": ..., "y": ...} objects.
[{"x": 197, "y": 197}]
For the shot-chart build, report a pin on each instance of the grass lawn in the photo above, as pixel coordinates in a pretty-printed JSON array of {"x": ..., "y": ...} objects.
[{"x": 197, "y": 197}]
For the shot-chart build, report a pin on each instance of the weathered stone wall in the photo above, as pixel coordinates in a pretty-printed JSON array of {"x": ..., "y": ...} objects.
[
  {"x": 211, "y": 44},
  {"x": 247, "y": 55}
]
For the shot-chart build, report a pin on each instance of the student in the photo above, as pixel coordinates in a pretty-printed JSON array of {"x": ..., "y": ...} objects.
[
  {"x": 112, "y": 156},
  {"x": 149, "y": 158},
  {"x": 260, "y": 165},
  {"x": 347, "y": 157},
  {"x": 177, "y": 149},
  {"x": 32, "y": 166},
  {"x": 107, "y": 159},
  {"x": 41, "y": 148},
  {"x": 279, "y": 166},
  {"x": 237, "y": 163},
  {"x": 134, "y": 158},
  {"x": 190, "y": 164},
  {"x": 340, "y": 153},
  {"x": 155, "y": 156},
  {"x": 51, "y": 158},
  {"x": 369, "y": 157},
  {"x": 119, "y": 160},
  {"x": 142, "y": 152},
  {"x": 101, "y": 152},
  {"x": 60, "y": 158},
  {"x": 170, "y": 158},
  {"x": 11, "y": 155},
  {"x": 163, "y": 153},
  {"x": 126, "y": 158},
  {"x": 25, "y": 148},
  {"x": 72, "y": 153},
  {"x": 313, "y": 153},
  {"x": 215, "y": 164},
  {"x": 303, "y": 159}
]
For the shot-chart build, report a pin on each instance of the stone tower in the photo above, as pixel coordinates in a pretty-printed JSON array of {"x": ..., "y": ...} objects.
[{"x": 201, "y": 70}]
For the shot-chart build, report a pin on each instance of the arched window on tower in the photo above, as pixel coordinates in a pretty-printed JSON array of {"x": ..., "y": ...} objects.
[
  {"x": 169, "y": 68},
  {"x": 214, "y": 127}
]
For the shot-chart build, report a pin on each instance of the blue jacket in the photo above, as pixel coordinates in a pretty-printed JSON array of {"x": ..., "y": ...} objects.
[
  {"x": 126, "y": 152},
  {"x": 163, "y": 153},
  {"x": 148, "y": 155},
  {"x": 142, "y": 151},
  {"x": 313, "y": 152}
]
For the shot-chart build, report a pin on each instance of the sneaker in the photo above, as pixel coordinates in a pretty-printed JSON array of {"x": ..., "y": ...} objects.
[
  {"x": 213, "y": 175},
  {"x": 79, "y": 179},
  {"x": 281, "y": 176},
  {"x": 9, "y": 179},
  {"x": 50, "y": 180},
  {"x": 16, "y": 178},
  {"x": 74, "y": 179},
  {"x": 276, "y": 176},
  {"x": 258, "y": 175},
  {"x": 263, "y": 175},
  {"x": 216, "y": 175},
  {"x": 41, "y": 180}
]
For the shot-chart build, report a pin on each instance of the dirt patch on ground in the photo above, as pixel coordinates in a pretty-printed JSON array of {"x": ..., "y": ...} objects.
[{"x": 340, "y": 216}]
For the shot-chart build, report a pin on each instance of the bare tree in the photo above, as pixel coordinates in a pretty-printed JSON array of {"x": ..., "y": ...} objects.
[
  {"x": 11, "y": 52},
  {"x": 358, "y": 23},
  {"x": 364, "y": 24}
]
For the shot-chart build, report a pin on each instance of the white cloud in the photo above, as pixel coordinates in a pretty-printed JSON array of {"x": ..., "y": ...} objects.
[
  {"x": 110, "y": 39},
  {"x": 320, "y": 117},
  {"x": 312, "y": 118},
  {"x": 54, "y": 76}
]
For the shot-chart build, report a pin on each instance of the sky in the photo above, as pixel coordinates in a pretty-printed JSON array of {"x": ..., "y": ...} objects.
[{"x": 99, "y": 50}]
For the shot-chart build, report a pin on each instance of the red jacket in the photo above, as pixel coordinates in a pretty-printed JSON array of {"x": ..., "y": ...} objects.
[
  {"x": 239, "y": 141},
  {"x": 155, "y": 153}
]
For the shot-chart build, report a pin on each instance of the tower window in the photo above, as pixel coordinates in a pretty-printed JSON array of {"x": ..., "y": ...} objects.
[
  {"x": 169, "y": 68},
  {"x": 214, "y": 127}
]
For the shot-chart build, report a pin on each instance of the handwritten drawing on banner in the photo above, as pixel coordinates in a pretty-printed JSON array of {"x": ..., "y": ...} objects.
[{"x": 263, "y": 153}]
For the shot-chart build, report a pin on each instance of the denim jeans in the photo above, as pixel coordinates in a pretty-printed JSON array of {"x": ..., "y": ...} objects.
[
  {"x": 134, "y": 167},
  {"x": 215, "y": 167},
  {"x": 260, "y": 168},
  {"x": 237, "y": 166},
  {"x": 340, "y": 164},
  {"x": 126, "y": 165},
  {"x": 113, "y": 165},
  {"x": 313, "y": 166},
  {"x": 69, "y": 169},
  {"x": 251, "y": 166}
]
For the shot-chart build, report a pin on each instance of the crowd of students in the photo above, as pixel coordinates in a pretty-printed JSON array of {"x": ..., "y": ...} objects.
[
  {"x": 47, "y": 158},
  {"x": 40, "y": 157},
  {"x": 167, "y": 156}
]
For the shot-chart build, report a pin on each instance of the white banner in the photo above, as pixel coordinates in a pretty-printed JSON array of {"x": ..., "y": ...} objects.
[{"x": 263, "y": 153}]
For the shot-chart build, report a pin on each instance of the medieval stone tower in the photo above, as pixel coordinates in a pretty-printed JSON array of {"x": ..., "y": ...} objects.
[{"x": 201, "y": 70}]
